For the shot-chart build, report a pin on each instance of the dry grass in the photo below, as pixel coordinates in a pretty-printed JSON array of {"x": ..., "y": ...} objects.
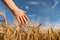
[{"x": 27, "y": 32}]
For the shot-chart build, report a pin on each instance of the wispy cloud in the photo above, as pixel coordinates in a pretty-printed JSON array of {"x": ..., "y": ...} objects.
[
  {"x": 56, "y": 2},
  {"x": 34, "y": 3},
  {"x": 27, "y": 7},
  {"x": 32, "y": 15},
  {"x": 50, "y": 9},
  {"x": 43, "y": 3}
]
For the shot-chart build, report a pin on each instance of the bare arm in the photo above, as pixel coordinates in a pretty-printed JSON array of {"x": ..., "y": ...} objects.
[
  {"x": 10, "y": 4},
  {"x": 18, "y": 13}
]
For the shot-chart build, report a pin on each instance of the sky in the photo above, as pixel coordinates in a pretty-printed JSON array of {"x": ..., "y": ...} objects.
[{"x": 37, "y": 10}]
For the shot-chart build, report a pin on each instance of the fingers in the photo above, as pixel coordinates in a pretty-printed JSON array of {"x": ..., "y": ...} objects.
[
  {"x": 26, "y": 17},
  {"x": 23, "y": 19},
  {"x": 19, "y": 20}
]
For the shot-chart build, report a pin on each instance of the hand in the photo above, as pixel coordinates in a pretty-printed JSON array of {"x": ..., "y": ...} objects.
[
  {"x": 20, "y": 16},
  {"x": 18, "y": 13}
]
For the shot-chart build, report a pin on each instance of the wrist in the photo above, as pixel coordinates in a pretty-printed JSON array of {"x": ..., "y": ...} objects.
[{"x": 15, "y": 8}]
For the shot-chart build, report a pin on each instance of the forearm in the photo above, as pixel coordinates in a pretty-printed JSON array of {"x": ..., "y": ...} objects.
[{"x": 10, "y": 4}]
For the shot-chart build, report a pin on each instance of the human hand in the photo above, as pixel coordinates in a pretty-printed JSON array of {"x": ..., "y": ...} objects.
[
  {"x": 20, "y": 16},
  {"x": 18, "y": 13}
]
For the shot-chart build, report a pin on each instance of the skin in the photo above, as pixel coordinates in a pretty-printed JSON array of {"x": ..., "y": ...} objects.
[{"x": 17, "y": 12}]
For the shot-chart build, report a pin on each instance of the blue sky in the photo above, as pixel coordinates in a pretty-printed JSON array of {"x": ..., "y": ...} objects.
[{"x": 37, "y": 10}]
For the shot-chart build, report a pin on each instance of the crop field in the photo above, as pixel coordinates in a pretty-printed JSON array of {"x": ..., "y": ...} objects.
[{"x": 27, "y": 32}]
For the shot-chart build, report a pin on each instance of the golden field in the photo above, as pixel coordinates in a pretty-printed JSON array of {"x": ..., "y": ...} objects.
[
  {"x": 31, "y": 33},
  {"x": 27, "y": 32}
]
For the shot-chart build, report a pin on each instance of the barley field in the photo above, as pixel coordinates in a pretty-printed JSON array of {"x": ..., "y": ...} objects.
[{"x": 27, "y": 32}]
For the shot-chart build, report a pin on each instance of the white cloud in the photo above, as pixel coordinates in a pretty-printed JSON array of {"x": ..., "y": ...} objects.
[
  {"x": 34, "y": 3},
  {"x": 53, "y": 6},
  {"x": 56, "y": 2},
  {"x": 43, "y": 3},
  {"x": 32, "y": 15},
  {"x": 26, "y": 7},
  {"x": 37, "y": 3}
]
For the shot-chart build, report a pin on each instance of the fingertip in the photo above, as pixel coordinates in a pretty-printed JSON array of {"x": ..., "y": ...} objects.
[
  {"x": 19, "y": 21},
  {"x": 26, "y": 17},
  {"x": 22, "y": 21}
]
